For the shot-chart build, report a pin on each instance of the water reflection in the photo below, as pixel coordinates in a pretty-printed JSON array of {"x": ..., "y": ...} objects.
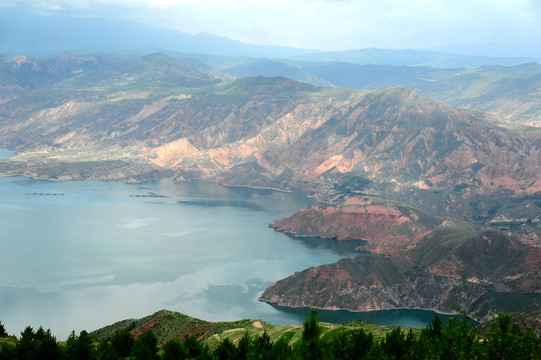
[
  {"x": 230, "y": 203},
  {"x": 345, "y": 248},
  {"x": 218, "y": 297},
  {"x": 103, "y": 252}
]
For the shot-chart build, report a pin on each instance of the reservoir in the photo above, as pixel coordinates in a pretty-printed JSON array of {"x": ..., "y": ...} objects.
[{"x": 85, "y": 254}]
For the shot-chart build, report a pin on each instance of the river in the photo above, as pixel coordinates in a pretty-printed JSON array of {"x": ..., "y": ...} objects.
[{"x": 85, "y": 254}]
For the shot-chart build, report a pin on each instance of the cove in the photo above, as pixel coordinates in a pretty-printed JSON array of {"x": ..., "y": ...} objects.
[{"x": 85, "y": 254}]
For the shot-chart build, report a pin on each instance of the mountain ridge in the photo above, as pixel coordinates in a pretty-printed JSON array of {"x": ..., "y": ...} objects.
[
  {"x": 511, "y": 92},
  {"x": 281, "y": 129},
  {"x": 388, "y": 228},
  {"x": 35, "y": 34}
]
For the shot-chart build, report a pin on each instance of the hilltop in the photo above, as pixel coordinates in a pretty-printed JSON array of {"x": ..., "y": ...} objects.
[
  {"x": 168, "y": 325},
  {"x": 504, "y": 337}
]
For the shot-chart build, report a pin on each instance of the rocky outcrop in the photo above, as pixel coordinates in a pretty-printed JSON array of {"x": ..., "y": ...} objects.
[
  {"x": 386, "y": 227},
  {"x": 472, "y": 271},
  {"x": 373, "y": 282}
]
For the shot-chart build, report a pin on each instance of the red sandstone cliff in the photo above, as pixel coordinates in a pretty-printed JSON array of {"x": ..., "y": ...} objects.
[
  {"x": 454, "y": 267},
  {"x": 386, "y": 227}
]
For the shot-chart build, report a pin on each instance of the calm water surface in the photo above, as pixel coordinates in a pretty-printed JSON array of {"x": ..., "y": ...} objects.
[
  {"x": 82, "y": 255},
  {"x": 6, "y": 154}
]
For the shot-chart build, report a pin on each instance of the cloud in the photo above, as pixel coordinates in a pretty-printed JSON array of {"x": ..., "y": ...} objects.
[{"x": 326, "y": 24}]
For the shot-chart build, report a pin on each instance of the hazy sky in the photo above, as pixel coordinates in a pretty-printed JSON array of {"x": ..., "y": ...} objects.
[{"x": 326, "y": 24}]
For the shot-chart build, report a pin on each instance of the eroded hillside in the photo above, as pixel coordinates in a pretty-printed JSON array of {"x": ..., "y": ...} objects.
[{"x": 161, "y": 116}]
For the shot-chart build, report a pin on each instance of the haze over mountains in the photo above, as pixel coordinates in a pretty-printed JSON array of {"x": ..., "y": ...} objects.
[
  {"x": 380, "y": 139},
  {"x": 25, "y": 32},
  {"x": 511, "y": 92}
]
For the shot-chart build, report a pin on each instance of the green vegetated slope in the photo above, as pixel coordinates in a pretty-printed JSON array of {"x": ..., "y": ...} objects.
[
  {"x": 504, "y": 337},
  {"x": 104, "y": 73},
  {"x": 168, "y": 325}
]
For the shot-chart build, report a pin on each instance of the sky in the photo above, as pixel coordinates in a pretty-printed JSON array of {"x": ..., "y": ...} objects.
[{"x": 327, "y": 24}]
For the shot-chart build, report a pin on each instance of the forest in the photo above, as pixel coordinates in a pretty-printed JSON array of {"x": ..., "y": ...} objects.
[{"x": 500, "y": 338}]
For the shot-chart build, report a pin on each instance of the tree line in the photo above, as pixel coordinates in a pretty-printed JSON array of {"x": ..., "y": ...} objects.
[{"x": 501, "y": 339}]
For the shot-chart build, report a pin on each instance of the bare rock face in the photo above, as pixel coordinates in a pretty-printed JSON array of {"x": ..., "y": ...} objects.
[
  {"x": 386, "y": 227},
  {"x": 452, "y": 268},
  {"x": 368, "y": 283}
]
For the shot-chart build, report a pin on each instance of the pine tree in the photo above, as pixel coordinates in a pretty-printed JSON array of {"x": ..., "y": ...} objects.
[
  {"x": 310, "y": 336},
  {"x": 3, "y": 332},
  {"x": 145, "y": 347}
]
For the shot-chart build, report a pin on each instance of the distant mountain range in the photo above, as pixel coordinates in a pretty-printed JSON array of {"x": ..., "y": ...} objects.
[
  {"x": 27, "y": 33},
  {"x": 133, "y": 119},
  {"x": 512, "y": 92},
  {"x": 479, "y": 83},
  {"x": 24, "y": 32}
]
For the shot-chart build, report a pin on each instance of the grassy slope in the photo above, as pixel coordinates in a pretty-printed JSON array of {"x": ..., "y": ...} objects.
[{"x": 168, "y": 325}]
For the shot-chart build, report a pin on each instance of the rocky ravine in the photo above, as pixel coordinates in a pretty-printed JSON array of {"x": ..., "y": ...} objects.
[{"x": 454, "y": 267}]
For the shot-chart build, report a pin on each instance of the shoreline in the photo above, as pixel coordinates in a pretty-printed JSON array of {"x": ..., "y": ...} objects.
[
  {"x": 137, "y": 181},
  {"x": 258, "y": 187},
  {"x": 365, "y": 311}
]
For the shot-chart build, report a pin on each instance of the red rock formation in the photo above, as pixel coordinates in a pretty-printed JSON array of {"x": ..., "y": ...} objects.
[
  {"x": 140, "y": 331},
  {"x": 386, "y": 228},
  {"x": 452, "y": 268}
]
